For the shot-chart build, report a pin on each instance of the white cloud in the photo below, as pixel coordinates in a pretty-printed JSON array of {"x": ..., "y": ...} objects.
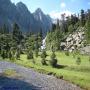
[
  {"x": 62, "y": 5},
  {"x": 57, "y": 15}
]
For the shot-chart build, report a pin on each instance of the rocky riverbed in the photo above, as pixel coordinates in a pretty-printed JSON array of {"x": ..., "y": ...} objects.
[{"x": 31, "y": 80}]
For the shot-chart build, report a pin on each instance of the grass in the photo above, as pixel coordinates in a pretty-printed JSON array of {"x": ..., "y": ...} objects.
[
  {"x": 77, "y": 74},
  {"x": 9, "y": 72}
]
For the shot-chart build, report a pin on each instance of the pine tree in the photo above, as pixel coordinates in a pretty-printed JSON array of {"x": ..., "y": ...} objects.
[
  {"x": 88, "y": 31},
  {"x": 64, "y": 26},
  {"x": 3, "y": 54},
  {"x": 10, "y": 55},
  {"x": 30, "y": 55},
  {"x": 17, "y": 34},
  {"x": 82, "y": 17},
  {"x": 53, "y": 61},
  {"x": 36, "y": 52},
  {"x": 78, "y": 61},
  {"x": 43, "y": 56},
  {"x": 88, "y": 27}
]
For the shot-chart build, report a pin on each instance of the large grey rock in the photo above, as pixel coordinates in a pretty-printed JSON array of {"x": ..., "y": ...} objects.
[{"x": 74, "y": 40}]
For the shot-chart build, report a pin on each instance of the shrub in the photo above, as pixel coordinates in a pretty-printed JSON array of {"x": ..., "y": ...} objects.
[
  {"x": 6, "y": 54},
  {"x": 67, "y": 53},
  {"x": 78, "y": 61},
  {"x": 43, "y": 56},
  {"x": 10, "y": 55},
  {"x": 43, "y": 61},
  {"x": 30, "y": 55},
  {"x": 73, "y": 55},
  {"x": 53, "y": 61},
  {"x": 89, "y": 59},
  {"x": 33, "y": 61},
  {"x": 53, "y": 55},
  {"x": 17, "y": 55},
  {"x": 3, "y": 54},
  {"x": 36, "y": 52}
]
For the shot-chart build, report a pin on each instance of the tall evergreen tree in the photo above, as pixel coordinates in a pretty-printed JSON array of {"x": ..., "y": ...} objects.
[
  {"x": 4, "y": 29},
  {"x": 74, "y": 19},
  {"x": 64, "y": 27},
  {"x": 82, "y": 18},
  {"x": 88, "y": 27},
  {"x": 17, "y": 34}
]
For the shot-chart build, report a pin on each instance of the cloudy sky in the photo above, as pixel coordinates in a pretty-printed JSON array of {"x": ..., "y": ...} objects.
[{"x": 56, "y": 7}]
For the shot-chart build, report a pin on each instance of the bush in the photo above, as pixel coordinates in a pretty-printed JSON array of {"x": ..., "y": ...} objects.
[
  {"x": 30, "y": 55},
  {"x": 67, "y": 53},
  {"x": 10, "y": 55},
  {"x": 36, "y": 52},
  {"x": 17, "y": 55},
  {"x": 53, "y": 55},
  {"x": 89, "y": 59},
  {"x": 3, "y": 54},
  {"x": 33, "y": 61},
  {"x": 70, "y": 28},
  {"x": 43, "y": 61},
  {"x": 53, "y": 61},
  {"x": 73, "y": 55},
  {"x": 43, "y": 56},
  {"x": 6, "y": 54},
  {"x": 78, "y": 61}
]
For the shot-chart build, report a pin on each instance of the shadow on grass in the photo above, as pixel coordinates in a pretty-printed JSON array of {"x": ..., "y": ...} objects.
[
  {"x": 60, "y": 66},
  {"x": 15, "y": 84}
]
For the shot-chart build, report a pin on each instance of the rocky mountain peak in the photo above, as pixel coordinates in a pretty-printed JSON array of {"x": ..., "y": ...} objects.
[
  {"x": 39, "y": 11},
  {"x": 21, "y": 6}
]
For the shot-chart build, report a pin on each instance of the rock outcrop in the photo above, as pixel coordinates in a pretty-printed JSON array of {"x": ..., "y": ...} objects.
[{"x": 74, "y": 41}]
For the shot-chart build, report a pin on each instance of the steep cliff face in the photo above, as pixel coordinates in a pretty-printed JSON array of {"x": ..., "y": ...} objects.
[
  {"x": 26, "y": 19},
  {"x": 8, "y": 13},
  {"x": 44, "y": 20},
  {"x": 19, "y": 13}
]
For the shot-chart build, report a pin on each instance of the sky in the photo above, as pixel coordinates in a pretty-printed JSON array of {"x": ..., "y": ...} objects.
[{"x": 56, "y": 7}]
